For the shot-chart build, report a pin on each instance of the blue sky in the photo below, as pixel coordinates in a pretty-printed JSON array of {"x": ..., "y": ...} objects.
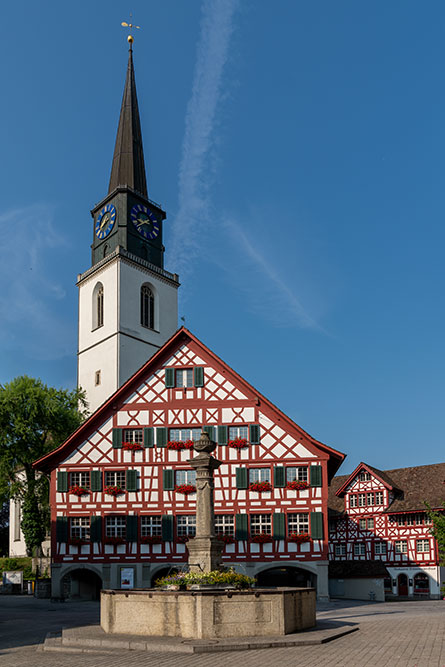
[{"x": 299, "y": 150}]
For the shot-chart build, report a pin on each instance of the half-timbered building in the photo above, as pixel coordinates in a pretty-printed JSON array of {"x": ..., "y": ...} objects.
[
  {"x": 122, "y": 492},
  {"x": 378, "y": 518}
]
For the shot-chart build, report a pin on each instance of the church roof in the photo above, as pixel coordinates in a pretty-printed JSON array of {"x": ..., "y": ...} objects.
[
  {"x": 128, "y": 168},
  {"x": 412, "y": 486},
  {"x": 116, "y": 400}
]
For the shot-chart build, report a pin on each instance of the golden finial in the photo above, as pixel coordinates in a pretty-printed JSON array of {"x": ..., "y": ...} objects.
[{"x": 132, "y": 27}]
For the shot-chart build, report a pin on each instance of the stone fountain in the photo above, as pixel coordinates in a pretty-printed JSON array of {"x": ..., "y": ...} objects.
[{"x": 207, "y": 614}]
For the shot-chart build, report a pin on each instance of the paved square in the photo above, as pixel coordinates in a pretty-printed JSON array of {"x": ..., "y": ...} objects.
[{"x": 396, "y": 634}]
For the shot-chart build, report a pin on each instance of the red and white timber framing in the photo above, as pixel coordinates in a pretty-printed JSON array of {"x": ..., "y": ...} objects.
[{"x": 224, "y": 399}]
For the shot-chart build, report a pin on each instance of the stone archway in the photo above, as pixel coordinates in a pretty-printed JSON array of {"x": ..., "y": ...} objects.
[
  {"x": 81, "y": 584},
  {"x": 274, "y": 577}
]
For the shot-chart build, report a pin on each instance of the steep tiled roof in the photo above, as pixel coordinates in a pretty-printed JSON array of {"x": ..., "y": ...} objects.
[{"x": 413, "y": 486}]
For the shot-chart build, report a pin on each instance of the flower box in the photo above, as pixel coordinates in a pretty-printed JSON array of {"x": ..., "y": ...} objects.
[
  {"x": 299, "y": 537},
  {"x": 114, "y": 540},
  {"x": 151, "y": 539},
  {"x": 79, "y": 541},
  {"x": 185, "y": 489},
  {"x": 78, "y": 490},
  {"x": 260, "y": 487},
  {"x": 297, "y": 485},
  {"x": 131, "y": 446},
  {"x": 113, "y": 490},
  {"x": 227, "y": 539},
  {"x": 182, "y": 539},
  {"x": 179, "y": 444},
  {"x": 261, "y": 538},
  {"x": 238, "y": 443}
]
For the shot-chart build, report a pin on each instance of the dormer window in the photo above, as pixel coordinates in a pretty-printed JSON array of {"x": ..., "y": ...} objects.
[{"x": 365, "y": 476}]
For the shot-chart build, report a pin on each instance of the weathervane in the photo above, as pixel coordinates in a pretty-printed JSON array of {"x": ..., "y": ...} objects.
[{"x": 130, "y": 25}]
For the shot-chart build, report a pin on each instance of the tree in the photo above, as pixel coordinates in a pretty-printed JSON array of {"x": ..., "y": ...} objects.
[
  {"x": 438, "y": 530},
  {"x": 34, "y": 419}
]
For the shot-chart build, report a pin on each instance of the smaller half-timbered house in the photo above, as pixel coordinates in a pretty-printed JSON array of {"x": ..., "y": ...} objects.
[{"x": 122, "y": 492}]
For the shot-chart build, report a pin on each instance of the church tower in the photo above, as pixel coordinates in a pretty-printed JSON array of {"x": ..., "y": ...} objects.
[{"x": 128, "y": 303}]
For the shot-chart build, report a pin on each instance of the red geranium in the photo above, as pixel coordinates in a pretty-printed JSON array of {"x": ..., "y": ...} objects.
[
  {"x": 180, "y": 444},
  {"x": 262, "y": 538},
  {"x": 299, "y": 537},
  {"x": 151, "y": 539},
  {"x": 238, "y": 443},
  {"x": 227, "y": 539},
  {"x": 78, "y": 490},
  {"x": 114, "y": 540},
  {"x": 182, "y": 539},
  {"x": 113, "y": 490},
  {"x": 297, "y": 485},
  {"x": 78, "y": 541},
  {"x": 185, "y": 489},
  {"x": 131, "y": 446},
  {"x": 260, "y": 486}
]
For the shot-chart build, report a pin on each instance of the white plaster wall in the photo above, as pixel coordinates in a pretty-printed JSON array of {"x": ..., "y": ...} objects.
[
  {"x": 101, "y": 357},
  {"x": 108, "y": 276},
  {"x": 357, "y": 589}
]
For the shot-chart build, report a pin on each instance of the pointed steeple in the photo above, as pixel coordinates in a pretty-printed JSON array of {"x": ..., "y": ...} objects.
[{"x": 128, "y": 166}]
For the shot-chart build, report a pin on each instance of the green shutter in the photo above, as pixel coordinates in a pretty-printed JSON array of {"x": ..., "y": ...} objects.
[
  {"x": 279, "y": 526},
  {"x": 169, "y": 377},
  {"x": 161, "y": 436},
  {"x": 199, "y": 376},
  {"x": 117, "y": 438},
  {"x": 210, "y": 430},
  {"x": 241, "y": 478},
  {"x": 148, "y": 437},
  {"x": 96, "y": 529},
  {"x": 279, "y": 477},
  {"x": 222, "y": 435},
  {"x": 131, "y": 481},
  {"x": 167, "y": 527},
  {"x": 168, "y": 479},
  {"x": 62, "y": 529},
  {"x": 96, "y": 480},
  {"x": 317, "y": 525},
  {"x": 62, "y": 482},
  {"x": 316, "y": 476},
  {"x": 241, "y": 527},
  {"x": 254, "y": 434},
  {"x": 132, "y": 528}
]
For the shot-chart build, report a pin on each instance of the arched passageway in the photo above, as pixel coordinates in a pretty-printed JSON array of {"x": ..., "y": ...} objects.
[
  {"x": 286, "y": 576},
  {"x": 81, "y": 584},
  {"x": 163, "y": 572}
]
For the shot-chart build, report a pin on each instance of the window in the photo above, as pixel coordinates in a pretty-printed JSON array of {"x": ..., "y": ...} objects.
[
  {"x": 352, "y": 500},
  {"x": 80, "y": 479},
  {"x": 370, "y": 524},
  {"x": 380, "y": 548},
  {"x": 359, "y": 549},
  {"x": 365, "y": 476},
  {"x": 370, "y": 498},
  {"x": 98, "y": 306},
  {"x": 362, "y": 524},
  {"x": 17, "y": 519},
  {"x": 260, "y": 523},
  {"x": 80, "y": 527},
  {"x": 147, "y": 307},
  {"x": 133, "y": 435},
  {"x": 151, "y": 525},
  {"x": 378, "y": 498},
  {"x": 97, "y": 378},
  {"x": 115, "y": 478},
  {"x": 115, "y": 526},
  {"x": 186, "y": 525},
  {"x": 186, "y": 477},
  {"x": 238, "y": 432},
  {"x": 259, "y": 475},
  {"x": 400, "y": 520},
  {"x": 225, "y": 524},
  {"x": 340, "y": 549},
  {"x": 361, "y": 499},
  {"x": 401, "y": 547},
  {"x": 423, "y": 546},
  {"x": 298, "y": 523},
  {"x": 184, "y": 377},
  {"x": 184, "y": 434},
  {"x": 297, "y": 474}
]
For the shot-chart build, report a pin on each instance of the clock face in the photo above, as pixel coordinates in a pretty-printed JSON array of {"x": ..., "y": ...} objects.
[
  {"x": 105, "y": 221},
  {"x": 144, "y": 221}
]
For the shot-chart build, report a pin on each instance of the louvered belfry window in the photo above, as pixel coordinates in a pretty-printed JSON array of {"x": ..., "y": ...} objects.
[{"x": 147, "y": 307}]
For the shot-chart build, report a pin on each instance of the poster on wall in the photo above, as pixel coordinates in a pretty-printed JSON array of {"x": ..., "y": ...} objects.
[
  {"x": 127, "y": 577},
  {"x": 13, "y": 577}
]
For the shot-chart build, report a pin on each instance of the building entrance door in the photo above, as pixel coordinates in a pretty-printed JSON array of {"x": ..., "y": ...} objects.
[{"x": 402, "y": 584}]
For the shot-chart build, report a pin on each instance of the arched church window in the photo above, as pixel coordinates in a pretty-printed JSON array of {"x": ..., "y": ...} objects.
[
  {"x": 147, "y": 307},
  {"x": 98, "y": 306},
  {"x": 105, "y": 249}
]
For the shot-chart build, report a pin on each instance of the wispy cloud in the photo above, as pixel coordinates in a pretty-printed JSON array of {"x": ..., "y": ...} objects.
[
  {"x": 212, "y": 54},
  {"x": 30, "y": 296}
]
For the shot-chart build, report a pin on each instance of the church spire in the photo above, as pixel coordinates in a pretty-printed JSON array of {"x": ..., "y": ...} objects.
[{"x": 128, "y": 166}]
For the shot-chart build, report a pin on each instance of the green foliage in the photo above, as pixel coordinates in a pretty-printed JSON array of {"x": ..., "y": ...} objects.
[
  {"x": 438, "y": 530},
  {"x": 34, "y": 419},
  {"x": 25, "y": 564},
  {"x": 229, "y": 577}
]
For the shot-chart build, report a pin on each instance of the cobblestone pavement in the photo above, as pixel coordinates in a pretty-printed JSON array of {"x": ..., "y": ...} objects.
[{"x": 393, "y": 634}]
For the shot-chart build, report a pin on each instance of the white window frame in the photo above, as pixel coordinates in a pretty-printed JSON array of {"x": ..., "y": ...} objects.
[
  {"x": 80, "y": 527},
  {"x": 135, "y": 435},
  {"x": 238, "y": 432},
  {"x": 380, "y": 548},
  {"x": 353, "y": 500},
  {"x": 340, "y": 549},
  {"x": 401, "y": 546},
  {"x": 183, "y": 434},
  {"x": 370, "y": 499},
  {"x": 260, "y": 523},
  {"x": 298, "y": 522},
  {"x": 422, "y": 546},
  {"x": 362, "y": 499},
  {"x": 297, "y": 474},
  {"x": 370, "y": 524},
  {"x": 184, "y": 378},
  {"x": 362, "y": 524},
  {"x": 225, "y": 524},
  {"x": 359, "y": 549},
  {"x": 115, "y": 526},
  {"x": 259, "y": 475},
  {"x": 151, "y": 526},
  {"x": 378, "y": 498},
  {"x": 365, "y": 476},
  {"x": 115, "y": 478},
  {"x": 80, "y": 478},
  {"x": 186, "y": 525},
  {"x": 185, "y": 477}
]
